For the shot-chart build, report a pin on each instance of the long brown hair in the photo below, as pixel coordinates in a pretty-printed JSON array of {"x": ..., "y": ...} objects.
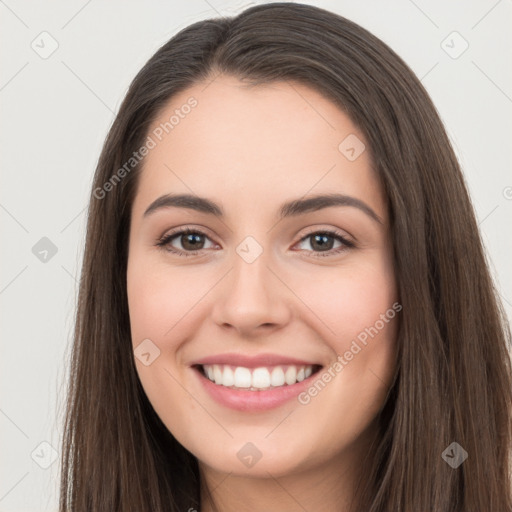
[{"x": 453, "y": 381}]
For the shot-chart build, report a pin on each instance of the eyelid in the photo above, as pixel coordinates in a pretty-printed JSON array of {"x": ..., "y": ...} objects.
[
  {"x": 185, "y": 228},
  {"x": 332, "y": 230}
]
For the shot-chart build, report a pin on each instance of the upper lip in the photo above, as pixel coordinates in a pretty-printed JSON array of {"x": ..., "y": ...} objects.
[{"x": 251, "y": 361}]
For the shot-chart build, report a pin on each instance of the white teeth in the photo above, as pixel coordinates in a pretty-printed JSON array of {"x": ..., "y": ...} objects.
[
  {"x": 257, "y": 378},
  {"x": 217, "y": 374},
  {"x": 277, "y": 377},
  {"x": 228, "y": 377},
  {"x": 290, "y": 375},
  {"x": 260, "y": 378},
  {"x": 242, "y": 378}
]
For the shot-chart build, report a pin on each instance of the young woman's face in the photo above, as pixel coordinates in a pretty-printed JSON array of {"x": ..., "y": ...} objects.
[{"x": 296, "y": 327}]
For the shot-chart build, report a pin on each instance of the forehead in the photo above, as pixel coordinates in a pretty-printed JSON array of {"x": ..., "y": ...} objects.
[{"x": 249, "y": 145}]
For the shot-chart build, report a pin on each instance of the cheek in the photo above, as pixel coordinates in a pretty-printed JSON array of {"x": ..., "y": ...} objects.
[
  {"x": 160, "y": 302},
  {"x": 361, "y": 311},
  {"x": 351, "y": 299},
  {"x": 358, "y": 308},
  {"x": 158, "y": 299},
  {"x": 365, "y": 303}
]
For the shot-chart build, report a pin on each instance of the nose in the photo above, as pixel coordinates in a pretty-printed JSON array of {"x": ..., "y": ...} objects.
[{"x": 251, "y": 299}]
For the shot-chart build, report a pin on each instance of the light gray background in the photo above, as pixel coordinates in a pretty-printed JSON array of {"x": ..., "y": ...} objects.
[{"x": 55, "y": 116}]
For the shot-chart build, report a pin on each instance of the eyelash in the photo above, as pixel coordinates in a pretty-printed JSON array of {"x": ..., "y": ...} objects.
[{"x": 164, "y": 242}]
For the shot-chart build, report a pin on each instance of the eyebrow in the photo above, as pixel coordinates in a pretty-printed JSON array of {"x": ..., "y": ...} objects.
[{"x": 289, "y": 209}]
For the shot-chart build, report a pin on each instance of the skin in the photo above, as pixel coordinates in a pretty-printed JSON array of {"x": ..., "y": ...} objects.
[{"x": 250, "y": 149}]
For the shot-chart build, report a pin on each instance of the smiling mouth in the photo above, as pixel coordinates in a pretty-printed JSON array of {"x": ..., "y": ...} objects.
[{"x": 257, "y": 379}]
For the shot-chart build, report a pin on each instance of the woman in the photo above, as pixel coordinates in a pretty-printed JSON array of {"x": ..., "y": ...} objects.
[{"x": 284, "y": 302}]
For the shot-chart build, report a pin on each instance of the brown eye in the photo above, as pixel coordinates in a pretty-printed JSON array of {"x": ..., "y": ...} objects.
[
  {"x": 323, "y": 242},
  {"x": 191, "y": 242}
]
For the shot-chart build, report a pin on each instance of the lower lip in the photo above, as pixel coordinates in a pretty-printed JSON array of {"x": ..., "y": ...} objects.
[{"x": 248, "y": 401}]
